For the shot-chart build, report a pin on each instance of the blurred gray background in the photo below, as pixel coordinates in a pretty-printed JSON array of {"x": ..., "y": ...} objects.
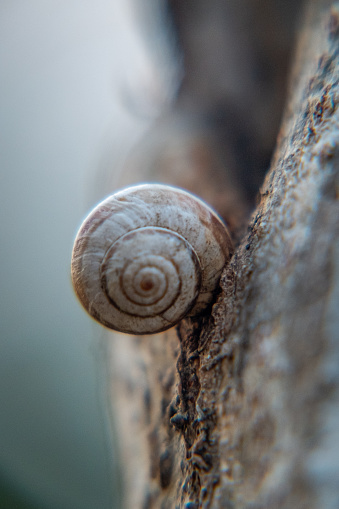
[{"x": 80, "y": 84}]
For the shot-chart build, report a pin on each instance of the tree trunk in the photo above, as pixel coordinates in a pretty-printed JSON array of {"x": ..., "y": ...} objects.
[{"x": 240, "y": 408}]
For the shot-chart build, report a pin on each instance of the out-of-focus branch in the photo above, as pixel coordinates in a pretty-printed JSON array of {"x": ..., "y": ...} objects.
[{"x": 217, "y": 138}]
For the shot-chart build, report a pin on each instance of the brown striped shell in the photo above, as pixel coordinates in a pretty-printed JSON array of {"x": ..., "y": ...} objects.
[{"x": 147, "y": 256}]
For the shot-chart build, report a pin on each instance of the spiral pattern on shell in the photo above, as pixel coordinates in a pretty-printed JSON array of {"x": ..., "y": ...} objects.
[{"x": 147, "y": 256}]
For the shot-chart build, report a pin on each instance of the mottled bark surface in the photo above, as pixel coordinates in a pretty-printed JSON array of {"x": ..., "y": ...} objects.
[{"x": 240, "y": 409}]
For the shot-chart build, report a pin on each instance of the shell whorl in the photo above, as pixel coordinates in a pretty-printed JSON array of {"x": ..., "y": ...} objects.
[{"x": 147, "y": 256}]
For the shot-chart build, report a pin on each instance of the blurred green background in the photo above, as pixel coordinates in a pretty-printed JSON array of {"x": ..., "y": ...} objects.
[{"x": 64, "y": 128}]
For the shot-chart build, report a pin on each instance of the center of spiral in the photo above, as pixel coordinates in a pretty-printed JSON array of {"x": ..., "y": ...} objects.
[
  {"x": 146, "y": 284},
  {"x": 148, "y": 270}
]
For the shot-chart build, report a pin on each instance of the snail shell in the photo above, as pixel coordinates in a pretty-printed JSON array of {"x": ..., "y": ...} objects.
[{"x": 147, "y": 256}]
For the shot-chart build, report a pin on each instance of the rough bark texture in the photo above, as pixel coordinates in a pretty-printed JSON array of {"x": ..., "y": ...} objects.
[{"x": 240, "y": 409}]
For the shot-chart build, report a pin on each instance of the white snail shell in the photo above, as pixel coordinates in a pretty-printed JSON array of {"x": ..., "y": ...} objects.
[{"x": 147, "y": 256}]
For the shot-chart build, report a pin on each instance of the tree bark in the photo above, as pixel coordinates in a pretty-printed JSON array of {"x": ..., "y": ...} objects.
[{"x": 240, "y": 408}]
